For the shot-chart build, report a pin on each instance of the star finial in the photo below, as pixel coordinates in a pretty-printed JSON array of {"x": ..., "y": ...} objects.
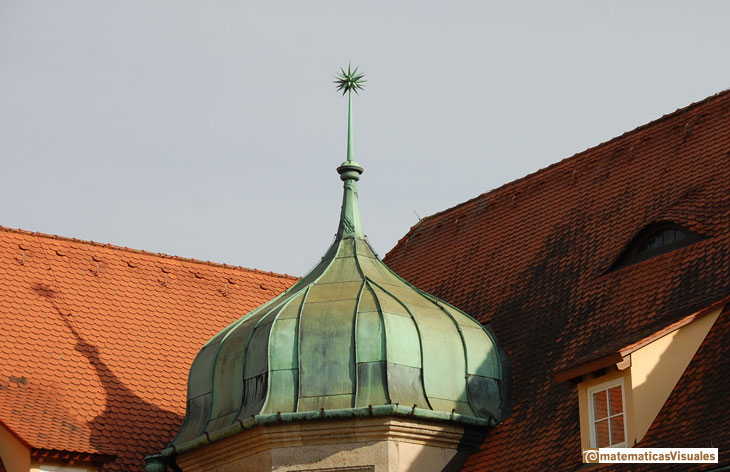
[{"x": 350, "y": 80}]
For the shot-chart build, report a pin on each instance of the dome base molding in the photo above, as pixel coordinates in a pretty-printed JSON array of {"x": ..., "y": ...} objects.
[{"x": 376, "y": 444}]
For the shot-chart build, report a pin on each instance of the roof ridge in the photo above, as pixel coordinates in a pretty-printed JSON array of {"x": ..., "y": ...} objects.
[
  {"x": 145, "y": 253},
  {"x": 575, "y": 156}
]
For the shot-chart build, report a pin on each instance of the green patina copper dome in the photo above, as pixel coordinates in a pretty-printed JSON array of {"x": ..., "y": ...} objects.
[{"x": 350, "y": 338}]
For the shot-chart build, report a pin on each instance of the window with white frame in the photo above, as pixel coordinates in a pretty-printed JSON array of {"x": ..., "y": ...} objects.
[{"x": 607, "y": 414}]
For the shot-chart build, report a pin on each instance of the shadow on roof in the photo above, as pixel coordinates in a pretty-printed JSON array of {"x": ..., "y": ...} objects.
[{"x": 117, "y": 416}]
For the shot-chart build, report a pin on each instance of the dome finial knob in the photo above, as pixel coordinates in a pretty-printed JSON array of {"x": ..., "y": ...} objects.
[{"x": 350, "y": 170}]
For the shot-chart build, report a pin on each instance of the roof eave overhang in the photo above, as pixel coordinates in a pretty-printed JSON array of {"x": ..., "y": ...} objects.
[
  {"x": 621, "y": 359},
  {"x": 589, "y": 367},
  {"x": 43, "y": 454}
]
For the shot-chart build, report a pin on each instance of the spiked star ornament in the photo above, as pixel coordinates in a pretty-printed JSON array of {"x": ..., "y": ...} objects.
[{"x": 350, "y": 80}]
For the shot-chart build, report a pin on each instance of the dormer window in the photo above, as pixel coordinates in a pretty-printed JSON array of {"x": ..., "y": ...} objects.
[
  {"x": 607, "y": 417},
  {"x": 653, "y": 240},
  {"x": 662, "y": 238},
  {"x": 620, "y": 395}
]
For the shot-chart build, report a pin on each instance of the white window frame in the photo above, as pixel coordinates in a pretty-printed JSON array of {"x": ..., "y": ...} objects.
[{"x": 591, "y": 410}]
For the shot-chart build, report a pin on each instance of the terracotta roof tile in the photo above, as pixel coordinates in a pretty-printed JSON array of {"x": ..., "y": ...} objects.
[
  {"x": 533, "y": 259},
  {"x": 99, "y": 347}
]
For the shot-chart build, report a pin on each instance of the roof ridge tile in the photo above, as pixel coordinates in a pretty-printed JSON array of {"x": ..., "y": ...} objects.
[
  {"x": 143, "y": 252},
  {"x": 574, "y": 157}
]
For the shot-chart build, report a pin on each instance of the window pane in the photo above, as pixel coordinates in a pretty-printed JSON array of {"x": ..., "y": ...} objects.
[
  {"x": 617, "y": 430},
  {"x": 602, "y": 434},
  {"x": 600, "y": 409},
  {"x": 615, "y": 400},
  {"x": 648, "y": 244},
  {"x": 662, "y": 238},
  {"x": 657, "y": 242}
]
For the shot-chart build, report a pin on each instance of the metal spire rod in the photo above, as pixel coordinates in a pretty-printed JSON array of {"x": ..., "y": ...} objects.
[
  {"x": 349, "y": 126},
  {"x": 350, "y": 81},
  {"x": 350, "y": 225}
]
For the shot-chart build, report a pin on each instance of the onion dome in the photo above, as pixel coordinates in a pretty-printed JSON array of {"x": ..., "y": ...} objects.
[{"x": 351, "y": 338}]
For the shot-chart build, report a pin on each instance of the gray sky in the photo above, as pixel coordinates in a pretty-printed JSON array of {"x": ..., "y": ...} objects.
[{"x": 211, "y": 129}]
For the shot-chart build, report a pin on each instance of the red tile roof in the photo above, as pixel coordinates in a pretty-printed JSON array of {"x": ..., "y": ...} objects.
[
  {"x": 97, "y": 340},
  {"x": 533, "y": 259},
  {"x": 621, "y": 354}
]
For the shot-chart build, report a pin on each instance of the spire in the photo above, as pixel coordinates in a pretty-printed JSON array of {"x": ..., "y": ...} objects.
[
  {"x": 350, "y": 225},
  {"x": 441, "y": 363}
]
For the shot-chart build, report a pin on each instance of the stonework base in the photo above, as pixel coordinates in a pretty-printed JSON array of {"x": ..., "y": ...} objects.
[{"x": 375, "y": 444}]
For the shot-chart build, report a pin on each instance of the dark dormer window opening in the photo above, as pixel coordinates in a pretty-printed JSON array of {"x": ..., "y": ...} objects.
[
  {"x": 662, "y": 238},
  {"x": 655, "y": 239}
]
